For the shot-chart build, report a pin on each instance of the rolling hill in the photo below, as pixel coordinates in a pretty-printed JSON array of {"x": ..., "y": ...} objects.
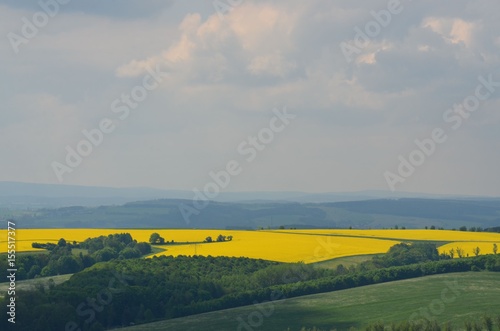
[
  {"x": 169, "y": 213},
  {"x": 468, "y": 296},
  {"x": 19, "y": 195}
]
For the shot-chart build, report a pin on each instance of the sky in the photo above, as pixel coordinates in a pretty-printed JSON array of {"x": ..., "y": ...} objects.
[{"x": 240, "y": 95}]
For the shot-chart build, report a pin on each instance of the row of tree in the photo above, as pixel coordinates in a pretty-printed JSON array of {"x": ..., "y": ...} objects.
[
  {"x": 156, "y": 239},
  {"x": 462, "y": 228},
  {"x": 220, "y": 238},
  {"x": 459, "y": 252}
]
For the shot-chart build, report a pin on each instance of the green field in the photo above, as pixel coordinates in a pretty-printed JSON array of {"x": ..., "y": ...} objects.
[
  {"x": 446, "y": 298},
  {"x": 346, "y": 261},
  {"x": 31, "y": 283}
]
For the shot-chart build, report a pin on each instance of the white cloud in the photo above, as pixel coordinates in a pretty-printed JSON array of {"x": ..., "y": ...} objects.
[
  {"x": 453, "y": 30},
  {"x": 257, "y": 37}
]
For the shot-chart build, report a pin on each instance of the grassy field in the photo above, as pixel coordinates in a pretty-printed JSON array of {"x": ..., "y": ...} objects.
[
  {"x": 345, "y": 261},
  {"x": 31, "y": 283},
  {"x": 446, "y": 298}
]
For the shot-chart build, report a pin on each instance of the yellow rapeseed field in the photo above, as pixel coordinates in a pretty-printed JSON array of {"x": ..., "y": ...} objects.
[
  {"x": 468, "y": 247},
  {"x": 279, "y": 245},
  {"x": 434, "y": 235},
  {"x": 267, "y": 245},
  {"x": 282, "y": 247}
]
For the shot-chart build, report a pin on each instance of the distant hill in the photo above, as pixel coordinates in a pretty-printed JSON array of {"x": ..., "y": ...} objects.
[
  {"x": 166, "y": 213},
  {"x": 16, "y": 195}
]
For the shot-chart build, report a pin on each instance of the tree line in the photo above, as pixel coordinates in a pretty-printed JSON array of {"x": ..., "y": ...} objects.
[{"x": 156, "y": 239}]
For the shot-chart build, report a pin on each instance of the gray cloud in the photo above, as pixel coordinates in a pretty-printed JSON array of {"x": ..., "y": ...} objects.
[
  {"x": 224, "y": 78},
  {"x": 123, "y": 9}
]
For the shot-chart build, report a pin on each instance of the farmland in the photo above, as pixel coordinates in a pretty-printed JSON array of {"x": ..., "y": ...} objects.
[
  {"x": 428, "y": 235},
  {"x": 389, "y": 302},
  {"x": 281, "y": 247},
  {"x": 308, "y": 246},
  {"x": 468, "y": 247},
  {"x": 167, "y": 287}
]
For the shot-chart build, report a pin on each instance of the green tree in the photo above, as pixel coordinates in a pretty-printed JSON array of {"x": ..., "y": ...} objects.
[
  {"x": 155, "y": 238},
  {"x": 87, "y": 260},
  {"x": 148, "y": 315},
  {"x": 67, "y": 265},
  {"x": 21, "y": 273},
  {"x": 208, "y": 239},
  {"x": 403, "y": 254},
  {"x": 130, "y": 253},
  {"x": 104, "y": 254},
  {"x": 61, "y": 242},
  {"x": 476, "y": 251},
  {"x": 488, "y": 323},
  {"x": 452, "y": 253},
  {"x": 51, "y": 284},
  {"x": 341, "y": 270},
  {"x": 460, "y": 252},
  {"x": 49, "y": 270},
  {"x": 34, "y": 271},
  {"x": 143, "y": 247},
  {"x": 495, "y": 248}
]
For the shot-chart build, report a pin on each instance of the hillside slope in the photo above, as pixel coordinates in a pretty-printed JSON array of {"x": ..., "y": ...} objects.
[{"x": 446, "y": 298}]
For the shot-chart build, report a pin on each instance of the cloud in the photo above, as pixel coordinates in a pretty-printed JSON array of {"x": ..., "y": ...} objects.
[
  {"x": 226, "y": 75},
  {"x": 272, "y": 64},
  {"x": 124, "y": 9},
  {"x": 452, "y": 30},
  {"x": 254, "y": 40}
]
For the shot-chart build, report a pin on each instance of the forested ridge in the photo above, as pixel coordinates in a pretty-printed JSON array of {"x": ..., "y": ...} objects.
[{"x": 166, "y": 213}]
